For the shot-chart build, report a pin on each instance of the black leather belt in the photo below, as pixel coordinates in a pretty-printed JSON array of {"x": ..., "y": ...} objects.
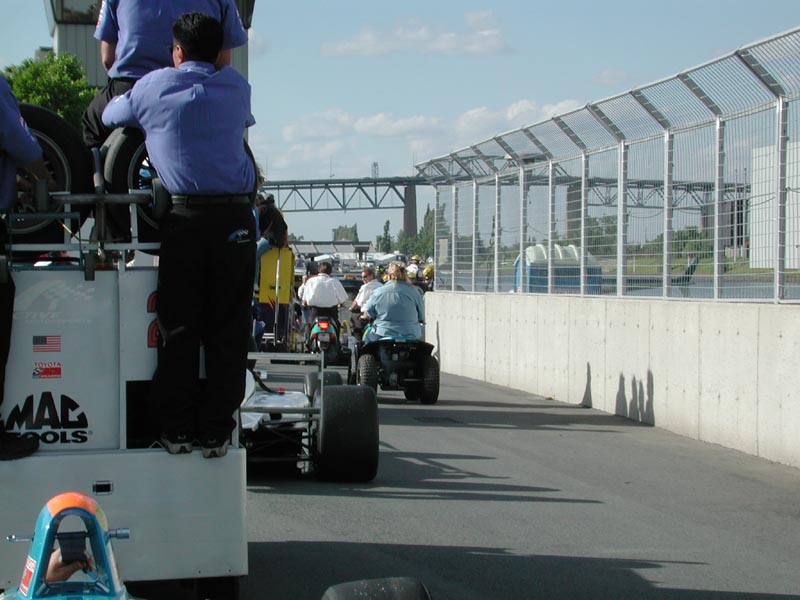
[{"x": 201, "y": 201}]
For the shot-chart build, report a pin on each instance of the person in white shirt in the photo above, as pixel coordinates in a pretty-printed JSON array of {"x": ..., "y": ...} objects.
[
  {"x": 357, "y": 322},
  {"x": 323, "y": 294}
]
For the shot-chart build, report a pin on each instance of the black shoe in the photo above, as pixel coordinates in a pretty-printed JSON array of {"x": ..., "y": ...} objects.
[
  {"x": 14, "y": 446},
  {"x": 177, "y": 444},
  {"x": 214, "y": 447}
]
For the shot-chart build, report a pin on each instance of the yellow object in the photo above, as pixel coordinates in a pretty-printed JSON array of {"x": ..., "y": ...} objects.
[{"x": 268, "y": 280}]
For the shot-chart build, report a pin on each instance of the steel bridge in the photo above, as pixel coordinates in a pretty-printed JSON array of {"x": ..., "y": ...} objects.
[{"x": 301, "y": 195}]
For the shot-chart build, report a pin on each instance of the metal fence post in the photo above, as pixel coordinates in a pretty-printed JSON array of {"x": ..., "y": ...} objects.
[
  {"x": 551, "y": 223},
  {"x": 584, "y": 207},
  {"x": 780, "y": 205},
  {"x": 669, "y": 167},
  {"x": 622, "y": 217},
  {"x": 719, "y": 185},
  {"x": 454, "y": 237},
  {"x": 474, "y": 233},
  {"x": 497, "y": 234},
  {"x": 523, "y": 231}
]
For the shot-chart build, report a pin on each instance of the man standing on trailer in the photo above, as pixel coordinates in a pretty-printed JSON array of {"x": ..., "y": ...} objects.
[
  {"x": 194, "y": 118},
  {"x": 18, "y": 147},
  {"x": 135, "y": 38}
]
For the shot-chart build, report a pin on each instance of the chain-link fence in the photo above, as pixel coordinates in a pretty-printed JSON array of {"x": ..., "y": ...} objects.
[{"x": 684, "y": 188}]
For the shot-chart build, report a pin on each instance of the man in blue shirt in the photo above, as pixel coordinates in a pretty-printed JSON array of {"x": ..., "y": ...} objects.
[
  {"x": 396, "y": 308},
  {"x": 135, "y": 38},
  {"x": 18, "y": 148},
  {"x": 194, "y": 118}
]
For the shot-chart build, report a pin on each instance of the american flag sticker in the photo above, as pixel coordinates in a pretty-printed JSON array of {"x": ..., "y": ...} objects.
[{"x": 47, "y": 343}]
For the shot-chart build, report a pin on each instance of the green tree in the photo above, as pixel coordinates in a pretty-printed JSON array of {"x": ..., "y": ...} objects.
[
  {"x": 58, "y": 83},
  {"x": 384, "y": 242},
  {"x": 344, "y": 233},
  {"x": 421, "y": 243},
  {"x": 295, "y": 238}
]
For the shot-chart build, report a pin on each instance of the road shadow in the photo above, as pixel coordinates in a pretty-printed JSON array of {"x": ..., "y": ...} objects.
[
  {"x": 414, "y": 476},
  {"x": 304, "y": 570}
]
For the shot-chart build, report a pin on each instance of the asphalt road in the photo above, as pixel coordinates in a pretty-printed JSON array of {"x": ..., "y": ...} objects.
[{"x": 498, "y": 494}]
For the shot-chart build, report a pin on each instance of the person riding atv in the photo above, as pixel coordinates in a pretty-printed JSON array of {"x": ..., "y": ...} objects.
[
  {"x": 395, "y": 308},
  {"x": 393, "y": 354}
]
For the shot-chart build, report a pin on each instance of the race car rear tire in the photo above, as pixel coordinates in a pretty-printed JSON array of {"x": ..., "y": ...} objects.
[
  {"x": 397, "y": 588},
  {"x": 69, "y": 164},
  {"x": 217, "y": 588},
  {"x": 347, "y": 438},
  {"x": 311, "y": 382},
  {"x": 127, "y": 167},
  {"x": 429, "y": 392},
  {"x": 367, "y": 372}
]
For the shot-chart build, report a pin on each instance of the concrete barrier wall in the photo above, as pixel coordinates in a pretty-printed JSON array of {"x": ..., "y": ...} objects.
[{"x": 723, "y": 373}]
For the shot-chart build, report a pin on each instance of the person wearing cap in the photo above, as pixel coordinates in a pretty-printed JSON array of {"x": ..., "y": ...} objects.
[
  {"x": 18, "y": 148},
  {"x": 412, "y": 270},
  {"x": 368, "y": 287},
  {"x": 135, "y": 38},
  {"x": 194, "y": 118}
]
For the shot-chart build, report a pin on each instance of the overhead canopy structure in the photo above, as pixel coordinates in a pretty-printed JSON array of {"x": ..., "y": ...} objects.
[{"x": 748, "y": 78}]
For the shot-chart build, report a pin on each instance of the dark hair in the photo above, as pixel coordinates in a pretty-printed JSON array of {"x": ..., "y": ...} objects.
[
  {"x": 200, "y": 36},
  {"x": 325, "y": 267}
]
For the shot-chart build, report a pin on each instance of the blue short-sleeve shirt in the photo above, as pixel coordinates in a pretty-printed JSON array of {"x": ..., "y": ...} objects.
[
  {"x": 142, "y": 30},
  {"x": 194, "y": 118},
  {"x": 396, "y": 309},
  {"x": 17, "y": 145}
]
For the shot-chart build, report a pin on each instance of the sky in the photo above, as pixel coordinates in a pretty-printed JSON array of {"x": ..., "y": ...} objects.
[{"x": 340, "y": 85}]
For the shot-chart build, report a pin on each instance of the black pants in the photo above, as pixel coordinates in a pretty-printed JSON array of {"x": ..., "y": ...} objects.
[
  {"x": 94, "y": 132},
  {"x": 6, "y": 316},
  {"x": 205, "y": 290}
]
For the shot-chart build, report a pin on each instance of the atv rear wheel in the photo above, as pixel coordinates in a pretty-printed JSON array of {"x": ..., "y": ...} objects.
[
  {"x": 429, "y": 393},
  {"x": 411, "y": 392},
  {"x": 367, "y": 373}
]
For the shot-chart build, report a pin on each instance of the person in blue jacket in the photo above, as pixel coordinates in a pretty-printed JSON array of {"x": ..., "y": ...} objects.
[
  {"x": 194, "y": 117},
  {"x": 18, "y": 148},
  {"x": 135, "y": 38},
  {"x": 396, "y": 308}
]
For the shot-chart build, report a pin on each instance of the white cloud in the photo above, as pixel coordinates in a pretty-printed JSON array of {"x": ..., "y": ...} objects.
[
  {"x": 307, "y": 152},
  {"x": 352, "y": 142},
  {"x": 257, "y": 44},
  {"x": 335, "y": 123},
  {"x": 383, "y": 124},
  {"x": 611, "y": 77},
  {"x": 318, "y": 126},
  {"x": 482, "y": 36}
]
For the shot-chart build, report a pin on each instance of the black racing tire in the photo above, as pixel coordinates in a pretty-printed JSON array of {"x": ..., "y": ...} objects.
[
  {"x": 69, "y": 163},
  {"x": 311, "y": 382},
  {"x": 127, "y": 167},
  {"x": 394, "y": 588},
  {"x": 217, "y": 588},
  {"x": 367, "y": 371},
  {"x": 429, "y": 392},
  {"x": 411, "y": 392},
  {"x": 347, "y": 437}
]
